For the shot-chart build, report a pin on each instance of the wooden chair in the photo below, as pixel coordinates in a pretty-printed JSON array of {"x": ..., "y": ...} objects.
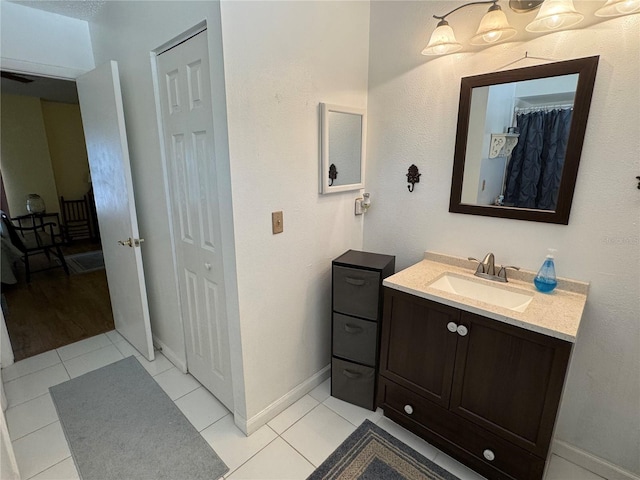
[
  {"x": 33, "y": 240},
  {"x": 76, "y": 219}
]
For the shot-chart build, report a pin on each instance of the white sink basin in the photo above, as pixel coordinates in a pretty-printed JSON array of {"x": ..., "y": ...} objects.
[{"x": 495, "y": 295}]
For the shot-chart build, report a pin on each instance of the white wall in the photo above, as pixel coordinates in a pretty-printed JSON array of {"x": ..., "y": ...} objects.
[
  {"x": 41, "y": 42},
  {"x": 413, "y": 105},
  {"x": 281, "y": 60}
]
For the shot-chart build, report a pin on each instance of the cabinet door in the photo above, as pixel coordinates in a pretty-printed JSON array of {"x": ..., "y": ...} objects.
[
  {"x": 509, "y": 381},
  {"x": 417, "y": 349}
]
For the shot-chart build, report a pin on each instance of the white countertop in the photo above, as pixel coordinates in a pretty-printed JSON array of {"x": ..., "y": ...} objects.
[{"x": 556, "y": 314}]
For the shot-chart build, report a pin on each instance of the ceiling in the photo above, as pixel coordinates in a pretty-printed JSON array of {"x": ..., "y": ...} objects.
[
  {"x": 80, "y": 9},
  {"x": 52, "y": 89}
]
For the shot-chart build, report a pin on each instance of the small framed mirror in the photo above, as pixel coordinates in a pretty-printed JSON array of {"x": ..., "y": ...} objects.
[
  {"x": 342, "y": 148},
  {"x": 519, "y": 141}
]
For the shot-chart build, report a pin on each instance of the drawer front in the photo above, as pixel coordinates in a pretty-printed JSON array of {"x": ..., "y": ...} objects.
[
  {"x": 494, "y": 452},
  {"x": 355, "y": 339},
  {"x": 353, "y": 383},
  {"x": 356, "y": 291}
]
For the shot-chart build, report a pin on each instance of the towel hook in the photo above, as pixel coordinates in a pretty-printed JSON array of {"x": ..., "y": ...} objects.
[
  {"x": 413, "y": 177},
  {"x": 333, "y": 174}
]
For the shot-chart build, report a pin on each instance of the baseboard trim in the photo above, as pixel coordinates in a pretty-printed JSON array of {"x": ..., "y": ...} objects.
[
  {"x": 248, "y": 426},
  {"x": 591, "y": 462},
  {"x": 180, "y": 363}
]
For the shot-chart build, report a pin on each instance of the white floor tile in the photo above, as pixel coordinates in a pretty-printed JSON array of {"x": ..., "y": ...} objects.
[
  {"x": 40, "y": 450},
  {"x": 30, "y": 365},
  {"x": 293, "y": 413},
  {"x": 31, "y": 416},
  {"x": 352, "y": 413},
  {"x": 176, "y": 383},
  {"x": 126, "y": 349},
  {"x": 34, "y": 384},
  {"x": 65, "y": 470},
  {"x": 322, "y": 391},
  {"x": 318, "y": 434},
  {"x": 233, "y": 446},
  {"x": 277, "y": 461},
  {"x": 415, "y": 442},
  {"x": 93, "y": 360},
  {"x": 83, "y": 346},
  {"x": 453, "y": 466},
  {"x": 158, "y": 365},
  {"x": 561, "y": 469},
  {"x": 115, "y": 337},
  {"x": 201, "y": 408}
]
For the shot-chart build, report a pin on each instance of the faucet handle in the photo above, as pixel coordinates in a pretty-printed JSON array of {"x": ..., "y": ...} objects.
[{"x": 502, "y": 273}]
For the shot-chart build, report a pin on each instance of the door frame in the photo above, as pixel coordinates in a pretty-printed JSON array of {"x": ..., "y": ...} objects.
[{"x": 226, "y": 221}]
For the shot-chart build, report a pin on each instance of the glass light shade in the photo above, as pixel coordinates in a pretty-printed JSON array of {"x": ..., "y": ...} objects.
[
  {"x": 494, "y": 27},
  {"x": 614, "y": 8},
  {"x": 555, "y": 15},
  {"x": 442, "y": 41}
]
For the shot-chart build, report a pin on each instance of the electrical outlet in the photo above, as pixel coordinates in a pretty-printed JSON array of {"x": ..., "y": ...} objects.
[{"x": 277, "y": 225}]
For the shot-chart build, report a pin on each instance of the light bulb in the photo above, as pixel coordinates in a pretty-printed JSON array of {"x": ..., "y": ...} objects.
[{"x": 614, "y": 8}]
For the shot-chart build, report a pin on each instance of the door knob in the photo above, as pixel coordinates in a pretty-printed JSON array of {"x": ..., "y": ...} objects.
[
  {"x": 138, "y": 241},
  {"x": 452, "y": 327},
  {"x": 126, "y": 243},
  {"x": 207, "y": 266}
]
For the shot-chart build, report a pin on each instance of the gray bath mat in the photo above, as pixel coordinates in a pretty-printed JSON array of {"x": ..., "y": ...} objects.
[
  {"x": 85, "y": 262},
  {"x": 121, "y": 425}
]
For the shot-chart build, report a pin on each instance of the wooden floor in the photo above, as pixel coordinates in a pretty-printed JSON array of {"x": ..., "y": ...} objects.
[{"x": 56, "y": 309}]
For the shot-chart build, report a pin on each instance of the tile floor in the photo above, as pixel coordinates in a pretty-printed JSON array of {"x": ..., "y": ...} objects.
[{"x": 290, "y": 446}]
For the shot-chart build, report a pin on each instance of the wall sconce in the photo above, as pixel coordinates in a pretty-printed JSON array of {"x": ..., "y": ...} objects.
[
  {"x": 363, "y": 203},
  {"x": 614, "y": 8},
  {"x": 493, "y": 28}
]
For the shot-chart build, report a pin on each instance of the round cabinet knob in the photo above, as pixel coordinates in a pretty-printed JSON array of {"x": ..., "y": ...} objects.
[
  {"x": 207, "y": 266},
  {"x": 462, "y": 330},
  {"x": 408, "y": 409},
  {"x": 452, "y": 327},
  {"x": 489, "y": 455}
]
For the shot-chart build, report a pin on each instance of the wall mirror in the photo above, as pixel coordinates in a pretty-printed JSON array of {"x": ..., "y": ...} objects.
[
  {"x": 342, "y": 148},
  {"x": 519, "y": 140}
]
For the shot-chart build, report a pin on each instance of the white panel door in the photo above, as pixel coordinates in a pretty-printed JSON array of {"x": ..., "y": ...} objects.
[
  {"x": 106, "y": 138},
  {"x": 185, "y": 97}
]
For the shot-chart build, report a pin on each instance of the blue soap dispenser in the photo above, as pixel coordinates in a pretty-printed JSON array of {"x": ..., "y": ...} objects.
[{"x": 545, "y": 281}]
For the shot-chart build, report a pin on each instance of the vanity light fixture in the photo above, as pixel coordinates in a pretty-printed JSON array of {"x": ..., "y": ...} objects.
[
  {"x": 614, "y": 8},
  {"x": 493, "y": 28},
  {"x": 555, "y": 15},
  {"x": 363, "y": 203}
]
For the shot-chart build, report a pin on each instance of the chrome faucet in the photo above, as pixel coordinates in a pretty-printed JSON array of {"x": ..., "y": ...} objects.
[{"x": 487, "y": 268}]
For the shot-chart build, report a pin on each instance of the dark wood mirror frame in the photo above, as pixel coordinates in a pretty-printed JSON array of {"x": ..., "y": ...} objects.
[{"x": 586, "y": 68}]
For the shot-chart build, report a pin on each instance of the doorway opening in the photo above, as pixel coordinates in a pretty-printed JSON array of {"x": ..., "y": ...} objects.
[{"x": 44, "y": 153}]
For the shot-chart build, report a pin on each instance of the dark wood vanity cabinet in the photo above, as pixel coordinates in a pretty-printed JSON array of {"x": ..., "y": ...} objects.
[
  {"x": 356, "y": 313},
  {"x": 481, "y": 390}
]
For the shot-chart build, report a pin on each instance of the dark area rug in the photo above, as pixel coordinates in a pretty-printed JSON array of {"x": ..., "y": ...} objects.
[
  {"x": 121, "y": 425},
  {"x": 85, "y": 262},
  {"x": 370, "y": 453}
]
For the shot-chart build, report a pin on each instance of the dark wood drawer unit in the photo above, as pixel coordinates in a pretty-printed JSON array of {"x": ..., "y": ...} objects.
[
  {"x": 487, "y": 393},
  {"x": 356, "y": 313}
]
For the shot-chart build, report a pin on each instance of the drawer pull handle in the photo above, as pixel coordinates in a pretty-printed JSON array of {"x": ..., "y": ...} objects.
[
  {"x": 462, "y": 330},
  {"x": 452, "y": 327},
  {"x": 358, "y": 282},
  {"x": 350, "y": 374},
  {"x": 352, "y": 328},
  {"x": 408, "y": 409},
  {"x": 489, "y": 455}
]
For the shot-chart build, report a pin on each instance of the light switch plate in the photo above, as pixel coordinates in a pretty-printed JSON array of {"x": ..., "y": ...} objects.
[{"x": 277, "y": 225}]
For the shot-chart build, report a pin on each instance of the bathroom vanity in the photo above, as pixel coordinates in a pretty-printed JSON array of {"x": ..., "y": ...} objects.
[{"x": 480, "y": 378}]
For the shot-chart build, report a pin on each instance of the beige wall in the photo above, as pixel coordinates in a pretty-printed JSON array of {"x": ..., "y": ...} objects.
[
  {"x": 25, "y": 160},
  {"x": 67, "y": 148}
]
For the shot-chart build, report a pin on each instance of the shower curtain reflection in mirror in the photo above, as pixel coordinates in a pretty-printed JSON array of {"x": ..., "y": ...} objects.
[{"x": 535, "y": 168}]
